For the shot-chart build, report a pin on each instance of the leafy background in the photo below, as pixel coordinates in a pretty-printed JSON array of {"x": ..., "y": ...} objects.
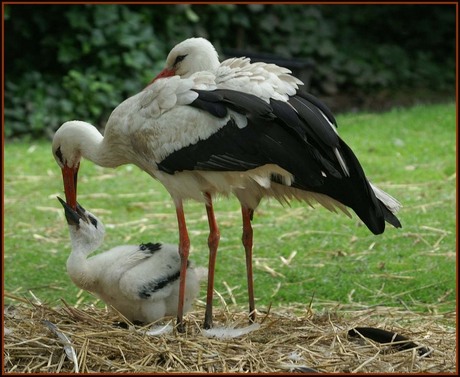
[{"x": 67, "y": 62}]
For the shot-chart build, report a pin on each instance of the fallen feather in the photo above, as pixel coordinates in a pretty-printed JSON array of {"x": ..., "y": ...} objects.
[
  {"x": 294, "y": 356},
  {"x": 69, "y": 350},
  {"x": 159, "y": 330},
  {"x": 229, "y": 332}
]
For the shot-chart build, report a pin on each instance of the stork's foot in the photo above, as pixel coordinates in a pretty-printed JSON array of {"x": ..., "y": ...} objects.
[
  {"x": 207, "y": 324},
  {"x": 180, "y": 325},
  {"x": 252, "y": 316}
]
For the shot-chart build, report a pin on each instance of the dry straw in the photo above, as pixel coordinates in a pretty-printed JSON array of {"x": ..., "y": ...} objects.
[{"x": 42, "y": 339}]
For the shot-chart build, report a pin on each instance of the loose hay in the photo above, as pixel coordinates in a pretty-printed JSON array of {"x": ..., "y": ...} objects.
[{"x": 289, "y": 339}]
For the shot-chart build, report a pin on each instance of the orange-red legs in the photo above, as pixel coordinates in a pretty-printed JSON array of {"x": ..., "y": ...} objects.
[
  {"x": 184, "y": 248},
  {"x": 247, "y": 243},
  {"x": 213, "y": 243}
]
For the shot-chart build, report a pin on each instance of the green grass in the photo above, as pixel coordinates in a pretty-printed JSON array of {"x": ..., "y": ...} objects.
[{"x": 408, "y": 152}]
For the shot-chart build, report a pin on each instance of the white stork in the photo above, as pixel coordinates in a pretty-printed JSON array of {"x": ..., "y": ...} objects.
[
  {"x": 140, "y": 281},
  {"x": 204, "y": 127}
]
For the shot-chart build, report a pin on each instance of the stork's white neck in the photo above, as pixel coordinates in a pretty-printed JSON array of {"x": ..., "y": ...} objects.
[{"x": 77, "y": 139}]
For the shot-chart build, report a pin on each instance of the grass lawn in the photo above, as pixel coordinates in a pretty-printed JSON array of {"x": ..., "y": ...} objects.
[{"x": 301, "y": 255}]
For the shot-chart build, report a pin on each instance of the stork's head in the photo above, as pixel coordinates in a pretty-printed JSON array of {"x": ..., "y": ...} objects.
[
  {"x": 70, "y": 143},
  {"x": 86, "y": 230},
  {"x": 190, "y": 56}
]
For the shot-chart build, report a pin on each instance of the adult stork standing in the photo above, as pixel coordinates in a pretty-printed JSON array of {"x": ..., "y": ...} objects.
[{"x": 204, "y": 127}]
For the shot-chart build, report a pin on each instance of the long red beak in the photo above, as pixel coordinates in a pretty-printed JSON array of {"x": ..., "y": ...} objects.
[
  {"x": 69, "y": 176},
  {"x": 164, "y": 73}
]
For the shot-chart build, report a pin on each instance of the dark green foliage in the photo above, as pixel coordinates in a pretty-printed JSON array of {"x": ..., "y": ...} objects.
[
  {"x": 394, "y": 46},
  {"x": 79, "y": 61},
  {"x": 74, "y": 62}
]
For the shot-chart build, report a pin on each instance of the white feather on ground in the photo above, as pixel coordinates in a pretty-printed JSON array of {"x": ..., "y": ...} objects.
[
  {"x": 159, "y": 330},
  {"x": 229, "y": 332},
  {"x": 67, "y": 343}
]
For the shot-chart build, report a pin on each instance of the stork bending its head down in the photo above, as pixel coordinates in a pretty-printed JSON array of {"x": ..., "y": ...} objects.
[
  {"x": 203, "y": 127},
  {"x": 140, "y": 281}
]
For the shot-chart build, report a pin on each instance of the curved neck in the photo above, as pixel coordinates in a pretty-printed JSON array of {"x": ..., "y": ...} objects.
[
  {"x": 91, "y": 146},
  {"x": 87, "y": 142},
  {"x": 78, "y": 268}
]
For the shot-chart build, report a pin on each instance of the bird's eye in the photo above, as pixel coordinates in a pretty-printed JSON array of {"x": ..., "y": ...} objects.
[
  {"x": 58, "y": 154},
  {"x": 93, "y": 221},
  {"x": 179, "y": 59}
]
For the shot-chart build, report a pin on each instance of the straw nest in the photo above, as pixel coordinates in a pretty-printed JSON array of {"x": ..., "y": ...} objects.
[{"x": 40, "y": 339}]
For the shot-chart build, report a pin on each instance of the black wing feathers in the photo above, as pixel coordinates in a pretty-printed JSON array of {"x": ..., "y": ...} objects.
[
  {"x": 317, "y": 126},
  {"x": 297, "y": 135},
  {"x": 320, "y": 143},
  {"x": 215, "y": 101},
  {"x": 289, "y": 117},
  {"x": 320, "y": 105},
  {"x": 229, "y": 149},
  {"x": 211, "y": 102}
]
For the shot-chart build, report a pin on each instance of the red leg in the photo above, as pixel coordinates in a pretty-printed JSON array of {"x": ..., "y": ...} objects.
[
  {"x": 247, "y": 243},
  {"x": 184, "y": 248},
  {"x": 213, "y": 243}
]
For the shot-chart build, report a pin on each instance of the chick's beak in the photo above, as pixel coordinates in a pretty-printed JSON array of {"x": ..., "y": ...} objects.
[
  {"x": 72, "y": 216},
  {"x": 69, "y": 176}
]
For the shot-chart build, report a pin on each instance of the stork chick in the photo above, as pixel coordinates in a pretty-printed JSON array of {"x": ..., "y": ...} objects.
[{"x": 140, "y": 281}]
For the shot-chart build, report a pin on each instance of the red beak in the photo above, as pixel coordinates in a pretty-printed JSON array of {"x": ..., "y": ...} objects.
[
  {"x": 69, "y": 176},
  {"x": 164, "y": 73}
]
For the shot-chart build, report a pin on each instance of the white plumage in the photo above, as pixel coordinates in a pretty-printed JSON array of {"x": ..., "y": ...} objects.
[{"x": 140, "y": 281}]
